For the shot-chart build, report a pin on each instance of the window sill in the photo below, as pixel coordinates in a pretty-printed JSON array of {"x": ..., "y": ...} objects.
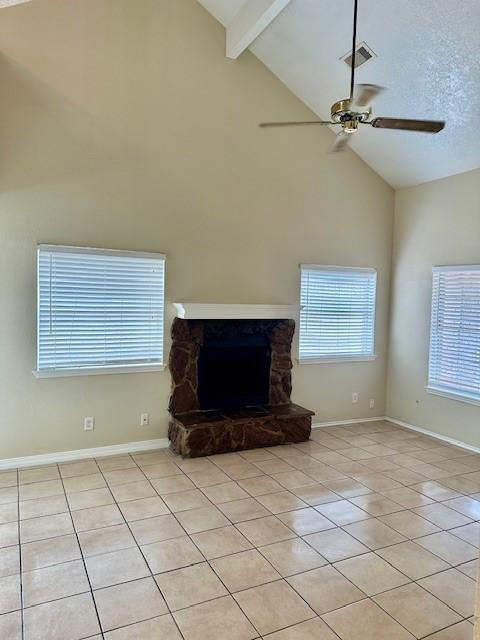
[
  {"x": 335, "y": 360},
  {"x": 459, "y": 397},
  {"x": 98, "y": 371}
]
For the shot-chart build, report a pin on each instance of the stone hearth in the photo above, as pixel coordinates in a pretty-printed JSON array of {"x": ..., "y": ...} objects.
[{"x": 204, "y": 422}]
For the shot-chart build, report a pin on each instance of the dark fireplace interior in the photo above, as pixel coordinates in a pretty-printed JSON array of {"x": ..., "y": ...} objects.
[{"x": 234, "y": 371}]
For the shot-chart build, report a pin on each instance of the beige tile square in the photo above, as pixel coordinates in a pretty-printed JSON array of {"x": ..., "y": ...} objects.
[
  {"x": 221, "y": 542},
  {"x": 371, "y": 574},
  {"x": 293, "y": 479},
  {"x": 97, "y": 517},
  {"x": 254, "y": 455},
  {"x": 225, "y": 492},
  {"x": 8, "y": 495},
  {"x": 8, "y": 512},
  {"x": 44, "y": 553},
  {"x": 460, "y": 631},
  {"x": 466, "y": 506},
  {"x": 143, "y": 508},
  {"x": 365, "y": 621},
  {"x": 161, "y": 470},
  {"x": 45, "y": 527},
  {"x": 313, "y": 629},
  {"x": 322, "y": 472},
  {"x": 39, "y": 474},
  {"x": 89, "y": 499},
  {"x": 316, "y": 494},
  {"x": 9, "y": 561},
  {"x": 73, "y": 618},
  {"x": 133, "y": 491},
  {"x": 84, "y": 483},
  {"x": 273, "y": 466},
  {"x": 194, "y": 464},
  {"x": 163, "y": 628},
  {"x": 376, "y": 505},
  {"x": 469, "y": 533},
  {"x": 244, "y": 570},
  {"x": 261, "y": 605},
  {"x": 212, "y": 619},
  {"x": 336, "y": 544},
  {"x": 409, "y": 524},
  {"x": 470, "y": 569},
  {"x": 123, "y": 476},
  {"x": 407, "y": 498},
  {"x": 172, "y": 484},
  {"x": 347, "y": 487},
  {"x": 11, "y": 626},
  {"x": 442, "y": 516},
  {"x": 155, "y": 457},
  {"x": 53, "y": 583},
  {"x": 190, "y": 585},
  {"x": 8, "y": 479},
  {"x": 185, "y": 500},
  {"x": 342, "y": 512},
  {"x": 405, "y": 476},
  {"x": 260, "y": 485},
  {"x": 325, "y": 589},
  {"x": 203, "y": 519},
  {"x": 105, "y": 540},
  {"x": 417, "y": 610},
  {"x": 454, "y": 589},
  {"x": 448, "y": 547},
  {"x": 374, "y": 534},
  {"x": 156, "y": 529},
  {"x": 10, "y": 594},
  {"x": 208, "y": 477},
  {"x": 241, "y": 510},
  {"x": 265, "y": 531},
  {"x": 128, "y": 603},
  {"x": 171, "y": 554},
  {"x": 305, "y": 521},
  {"x": 113, "y": 463},
  {"x": 42, "y": 507},
  {"x": 81, "y": 468},
  {"x": 281, "y": 502},
  {"x": 292, "y": 556},
  {"x": 41, "y": 490},
  {"x": 242, "y": 471},
  {"x": 8, "y": 534},
  {"x": 412, "y": 560},
  {"x": 435, "y": 490},
  {"x": 113, "y": 568}
]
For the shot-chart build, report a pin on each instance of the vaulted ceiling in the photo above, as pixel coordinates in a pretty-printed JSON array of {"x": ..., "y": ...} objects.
[{"x": 426, "y": 54}]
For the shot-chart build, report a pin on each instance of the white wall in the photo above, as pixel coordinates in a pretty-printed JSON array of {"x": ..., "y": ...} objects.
[
  {"x": 122, "y": 125},
  {"x": 437, "y": 223}
]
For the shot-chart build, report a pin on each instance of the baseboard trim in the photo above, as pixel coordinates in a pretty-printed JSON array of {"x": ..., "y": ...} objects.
[
  {"x": 79, "y": 454},
  {"x": 339, "y": 423},
  {"x": 434, "y": 434}
]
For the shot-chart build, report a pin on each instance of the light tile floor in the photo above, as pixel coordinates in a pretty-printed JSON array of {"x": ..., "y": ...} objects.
[{"x": 366, "y": 532}]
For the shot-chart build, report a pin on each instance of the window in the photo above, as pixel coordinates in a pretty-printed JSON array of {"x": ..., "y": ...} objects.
[
  {"x": 337, "y": 316},
  {"x": 454, "y": 368},
  {"x": 99, "y": 311}
]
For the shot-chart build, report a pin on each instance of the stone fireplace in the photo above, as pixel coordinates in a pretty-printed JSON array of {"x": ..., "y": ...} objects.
[{"x": 231, "y": 380}]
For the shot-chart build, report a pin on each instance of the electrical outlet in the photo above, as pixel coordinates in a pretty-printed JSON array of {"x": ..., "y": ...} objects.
[
  {"x": 89, "y": 423},
  {"x": 354, "y": 397},
  {"x": 144, "y": 419},
  {"x": 372, "y": 403}
]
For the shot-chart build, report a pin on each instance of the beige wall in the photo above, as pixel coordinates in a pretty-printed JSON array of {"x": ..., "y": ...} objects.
[
  {"x": 122, "y": 125},
  {"x": 437, "y": 223}
]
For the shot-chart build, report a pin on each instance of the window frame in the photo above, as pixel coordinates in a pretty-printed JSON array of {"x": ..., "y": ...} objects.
[
  {"x": 336, "y": 359},
  {"x": 98, "y": 370},
  {"x": 432, "y": 388}
]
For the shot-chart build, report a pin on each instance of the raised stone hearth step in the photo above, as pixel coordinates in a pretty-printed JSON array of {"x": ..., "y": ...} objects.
[{"x": 203, "y": 433}]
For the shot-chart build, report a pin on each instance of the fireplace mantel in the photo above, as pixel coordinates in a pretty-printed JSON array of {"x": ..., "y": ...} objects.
[{"x": 202, "y": 311}]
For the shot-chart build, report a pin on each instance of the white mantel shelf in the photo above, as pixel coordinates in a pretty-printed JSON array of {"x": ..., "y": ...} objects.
[{"x": 201, "y": 311}]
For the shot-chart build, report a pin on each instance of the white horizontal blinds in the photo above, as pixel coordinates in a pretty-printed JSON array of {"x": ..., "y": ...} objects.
[
  {"x": 455, "y": 331},
  {"x": 99, "y": 309},
  {"x": 337, "y": 317}
]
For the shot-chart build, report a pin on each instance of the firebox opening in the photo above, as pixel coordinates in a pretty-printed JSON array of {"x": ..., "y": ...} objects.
[{"x": 234, "y": 372}]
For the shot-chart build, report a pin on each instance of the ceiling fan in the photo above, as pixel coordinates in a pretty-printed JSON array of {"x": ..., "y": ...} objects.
[{"x": 355, "y": 110}]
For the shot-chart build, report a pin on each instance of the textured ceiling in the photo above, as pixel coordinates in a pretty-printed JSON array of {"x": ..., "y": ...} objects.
[{"x": 427, "y": 55}]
